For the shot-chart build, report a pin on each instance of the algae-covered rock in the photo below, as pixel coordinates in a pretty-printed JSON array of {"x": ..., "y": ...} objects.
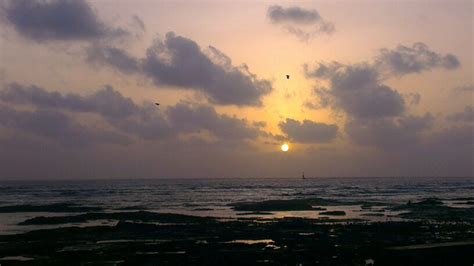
[
  {"x": 333, "y": 213},
  {"x": 290, "y": 205},
  {"x": 433, "y": 209}
]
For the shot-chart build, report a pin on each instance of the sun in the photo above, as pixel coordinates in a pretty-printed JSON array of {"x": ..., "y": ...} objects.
[{"x": 285, "y": 147}]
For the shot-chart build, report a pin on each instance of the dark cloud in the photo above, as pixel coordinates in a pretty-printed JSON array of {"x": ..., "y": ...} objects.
[
  {"x": 304, "y": 23},
  {"x": 376, "y": 113},
  {"x": 57, "y": 126},
  {"x": 405, "y": 60},
  {"x": 19, "y": 94},
  {"x": 389, "y": 133},
  {"x": 57, "y": 20},
  {"x": 149, "y": 124},
  {"x": 294, "y": 14},
  {"x": 187, "y": 118},
  {"x": 106, "y": 101},
  {"x": 121, "y": 112},
  {"x": 308, "y": 131},
  {"x": 467, "y": 115},
  {"x": 112, "y": 56},
  {"x": 179, "y": 62},
  {"x": 145, "y": 121},
  {"x": 357, "y": 90}
]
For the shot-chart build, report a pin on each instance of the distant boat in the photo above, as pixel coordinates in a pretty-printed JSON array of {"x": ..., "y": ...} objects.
[{"x": 302, "y": 176}]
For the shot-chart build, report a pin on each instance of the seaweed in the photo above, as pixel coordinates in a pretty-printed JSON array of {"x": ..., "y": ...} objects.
[
  {"x": 433, "y": 209},
  {"x": 142, "y": 216},
  {"x": 333, "y": 213}
]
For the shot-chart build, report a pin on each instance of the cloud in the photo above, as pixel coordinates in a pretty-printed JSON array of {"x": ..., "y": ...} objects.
[
  {"x": 149, "y": 124},
  {"x": 106, "y": 101},
  {"x": 145, "y": 121},
  {"x": 58, "y": 127},
  {"x": 295, "y": 14},
  {"x": 356, "y": 89},
  {"x": 188, "y": 118},
  {"x": 389, "y": 133},
  {"x": 121, "y": 112},
  {"x": 467, "y": 115},
  {"x": 405, "y": 60},
  {"x": 57, "y": 20},
  {"x": 180, "y": 62},
  {"x": 112, "y": 56},
  {"x": 376, "y": 114},
  {"x": 308, "y": 131},
  {"x": 359, "y": 90},
  {"x": 303, "y": 23}
]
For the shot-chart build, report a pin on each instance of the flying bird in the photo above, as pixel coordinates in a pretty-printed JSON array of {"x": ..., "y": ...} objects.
[
  {"x": 157, "y": 104},
  {"x": 287, "y": 76}
]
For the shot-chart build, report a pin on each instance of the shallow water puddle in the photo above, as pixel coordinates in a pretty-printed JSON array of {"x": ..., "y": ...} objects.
[{"x": 251, "y": 241}]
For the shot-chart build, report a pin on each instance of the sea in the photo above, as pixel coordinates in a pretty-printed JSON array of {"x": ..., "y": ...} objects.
[{"x": 214, "y": 197}]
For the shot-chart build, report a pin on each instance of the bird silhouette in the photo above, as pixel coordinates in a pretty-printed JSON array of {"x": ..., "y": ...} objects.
[
  {"x": 157, "y": 104},
  {"x": 287, "y": 76}
]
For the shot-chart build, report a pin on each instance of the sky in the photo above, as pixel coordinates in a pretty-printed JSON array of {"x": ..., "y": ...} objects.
[{"x": 376, "y": 88}]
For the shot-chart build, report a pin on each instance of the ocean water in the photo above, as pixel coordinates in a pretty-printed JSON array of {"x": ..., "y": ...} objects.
[{"x": 211, "y": 197}]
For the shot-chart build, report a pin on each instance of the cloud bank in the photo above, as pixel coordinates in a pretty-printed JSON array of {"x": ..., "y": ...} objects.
[
  {"x": 55, "y": 117},
  {"x": 400, "y": 132}
]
